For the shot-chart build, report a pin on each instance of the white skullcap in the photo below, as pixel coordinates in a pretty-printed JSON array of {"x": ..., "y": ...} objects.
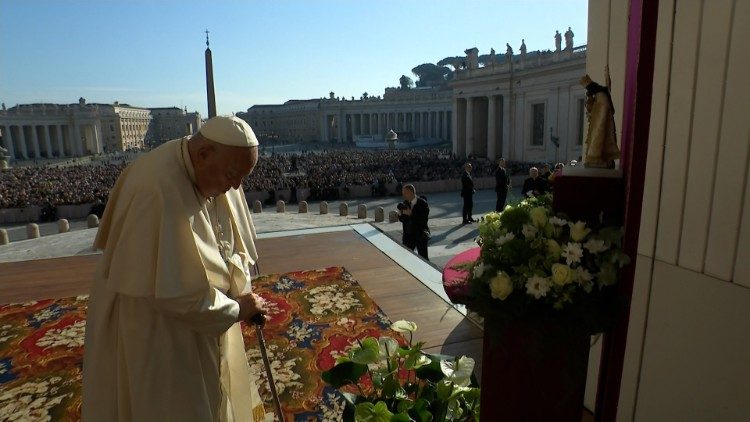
[{"x": 230, "y": 131}]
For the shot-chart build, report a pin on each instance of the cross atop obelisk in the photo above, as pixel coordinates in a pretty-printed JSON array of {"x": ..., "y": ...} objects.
[{"x": 210, "y": 95}]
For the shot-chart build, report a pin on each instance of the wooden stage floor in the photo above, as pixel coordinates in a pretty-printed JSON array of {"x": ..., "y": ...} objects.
[{"x": 396, "y": 291}]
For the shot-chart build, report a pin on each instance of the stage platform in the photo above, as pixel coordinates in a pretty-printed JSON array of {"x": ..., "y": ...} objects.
[{"x": 389, "y": 274}]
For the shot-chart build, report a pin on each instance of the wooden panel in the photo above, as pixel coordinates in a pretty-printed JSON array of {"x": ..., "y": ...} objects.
[
  {"x": 618, "y": 47},
  {"x": 732, "y": 165},
  {"x": 46, "y": 278},
  {"x": 598, "y": 32},
  {"x": 709, "y": 96},
  {"x": 659, "y": 99},
  {"x": 398, "y": 293},
  {"x": 695, "y": 359},
  {"x": 742, "y": 260},
  {"x": 679, "y": 114}
]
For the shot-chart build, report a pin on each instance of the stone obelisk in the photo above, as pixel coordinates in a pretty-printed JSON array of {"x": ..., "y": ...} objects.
[{"x": 211, "y": 97}]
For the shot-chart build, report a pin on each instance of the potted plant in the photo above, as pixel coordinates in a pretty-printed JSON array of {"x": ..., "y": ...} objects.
[
  {"x": 390, "y": 379},
  {"x": 543, "y": 284}
]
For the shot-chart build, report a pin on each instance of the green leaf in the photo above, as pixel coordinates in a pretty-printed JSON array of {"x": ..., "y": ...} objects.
[
  {"x": 404, "y": 405},
  {"x": 367, "y": 353},
  {"x": 343, "y": 374},
  {"x": 401, "y": 417},
  {"x": 377, "y": 412},
  {"x": 392, "y": 388},
  {"x": 444, "y": 390},
  {"x": 420, "y": 411}
]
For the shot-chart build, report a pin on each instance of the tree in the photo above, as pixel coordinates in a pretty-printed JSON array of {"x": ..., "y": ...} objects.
[
  {"x": 406, "y": 82},
  {"x": 430, "y": 74}
]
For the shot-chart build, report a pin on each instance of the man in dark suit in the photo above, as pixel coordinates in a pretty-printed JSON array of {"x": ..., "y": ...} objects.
[
  {"x": 535, "y": 185},
  {"x": 414, "y": 213},
  {"x": 502, "y": 184},
  {"x": 467, "y": 192}
]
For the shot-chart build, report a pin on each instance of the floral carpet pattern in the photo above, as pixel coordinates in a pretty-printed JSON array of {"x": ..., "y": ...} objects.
[{"x": 315, "y": 317}]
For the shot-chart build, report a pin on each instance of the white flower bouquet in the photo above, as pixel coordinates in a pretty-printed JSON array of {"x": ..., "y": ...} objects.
[{"x": 536, "y": 264}]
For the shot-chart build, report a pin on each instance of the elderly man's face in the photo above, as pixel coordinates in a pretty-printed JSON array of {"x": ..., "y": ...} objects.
[
  {"x": 222, "y": 167},
  {"x": 534, "y": 173},
  {"x": 407, "y": 194}
]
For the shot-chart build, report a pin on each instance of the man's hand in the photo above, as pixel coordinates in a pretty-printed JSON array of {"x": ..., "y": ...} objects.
[
  {"x": 406, "y": 211},
  {"x": 250, "y": 305}
]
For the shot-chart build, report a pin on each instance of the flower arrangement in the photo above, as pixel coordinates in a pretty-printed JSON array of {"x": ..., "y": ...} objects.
[
  {"x": 536, "y": 264},
  {"x": 405, "y": 384}
]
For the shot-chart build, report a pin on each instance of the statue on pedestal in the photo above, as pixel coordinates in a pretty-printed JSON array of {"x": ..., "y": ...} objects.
[
  {"x": 508, "y": 53},
  {"x": 601, "y": 137},
  {"x": 558, "y": 40},
  {"x": 568, "y": 39}
]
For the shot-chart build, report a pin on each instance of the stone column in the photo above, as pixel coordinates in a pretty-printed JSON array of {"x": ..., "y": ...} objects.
[
  {"x": 47, "y": 142},
  {"x": 429, "y": 125},
  {"x": 35, "y": 142},
  {"x": 8, "y": 141},
  {"x": 454, "y": 126},
  {"x": 445, "y": 124},
  {"x": 77, "y": 144},
  {"x": 506, "y": 128},
  {"x": 469, "y": 126},
  {"x": 414, "y": 128},
  {"x": 491, "y": 128},
  {"x": 342, "y": 127},
  {"x": 60, "y": 141},
  {"x": 404, "y": 127},
  {"x": 24, "y": 150}
]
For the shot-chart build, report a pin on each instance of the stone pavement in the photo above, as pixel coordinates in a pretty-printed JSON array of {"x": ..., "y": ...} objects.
[{"x": 449, "y": 236}]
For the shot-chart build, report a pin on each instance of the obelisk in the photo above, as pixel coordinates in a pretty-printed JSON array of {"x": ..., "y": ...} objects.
[{"x": 211, "y": 97}]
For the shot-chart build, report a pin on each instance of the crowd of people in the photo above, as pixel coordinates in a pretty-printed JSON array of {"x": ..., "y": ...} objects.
[{"x": 325, "y": 173}]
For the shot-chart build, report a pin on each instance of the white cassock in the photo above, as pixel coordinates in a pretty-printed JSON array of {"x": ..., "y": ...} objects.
[{"x": 162, "y": 342}]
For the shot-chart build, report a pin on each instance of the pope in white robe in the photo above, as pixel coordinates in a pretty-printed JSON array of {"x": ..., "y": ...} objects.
[{"x": 163, "y": 341}]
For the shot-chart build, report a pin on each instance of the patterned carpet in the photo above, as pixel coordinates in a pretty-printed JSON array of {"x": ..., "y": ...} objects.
[{"x": 315, "y": 317}]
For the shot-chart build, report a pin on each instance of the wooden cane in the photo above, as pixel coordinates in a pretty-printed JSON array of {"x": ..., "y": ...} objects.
[{"x": 259, "y": 320}]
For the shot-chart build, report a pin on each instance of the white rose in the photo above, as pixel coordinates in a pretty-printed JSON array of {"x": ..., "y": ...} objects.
[
  {"x": 578, "y": 231},
  {"x": 501, "y": 286},
  {"x": 595, "y": 245},
  {"x": 529, "y": 231},
  {"x": 538, "y": 216},
  {"x": 561, "y": 274}
]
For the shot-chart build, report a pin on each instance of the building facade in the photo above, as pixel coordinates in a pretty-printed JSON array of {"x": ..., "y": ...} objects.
[
  {"x": 524, "y": 107},
  {"x": 529, "y": 107},
  {"x": 39, "y": 131},
  {"x": 169, "y": 123}
]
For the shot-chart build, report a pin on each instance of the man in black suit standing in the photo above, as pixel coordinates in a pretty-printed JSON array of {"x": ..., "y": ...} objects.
[
  {"x": 502, "y": 183},
  {"x": 467, "y": 192},
  {"x": 414, "y": 213}
]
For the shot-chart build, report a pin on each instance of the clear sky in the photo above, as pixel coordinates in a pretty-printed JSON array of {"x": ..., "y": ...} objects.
[{"x": 150, "y": 53}]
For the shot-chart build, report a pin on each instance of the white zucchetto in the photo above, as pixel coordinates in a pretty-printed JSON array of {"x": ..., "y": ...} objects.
[{"x": 229, "y": 130}]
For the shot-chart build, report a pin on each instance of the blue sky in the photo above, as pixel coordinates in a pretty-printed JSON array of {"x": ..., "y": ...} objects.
[{"x": 150, "y": 53}]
